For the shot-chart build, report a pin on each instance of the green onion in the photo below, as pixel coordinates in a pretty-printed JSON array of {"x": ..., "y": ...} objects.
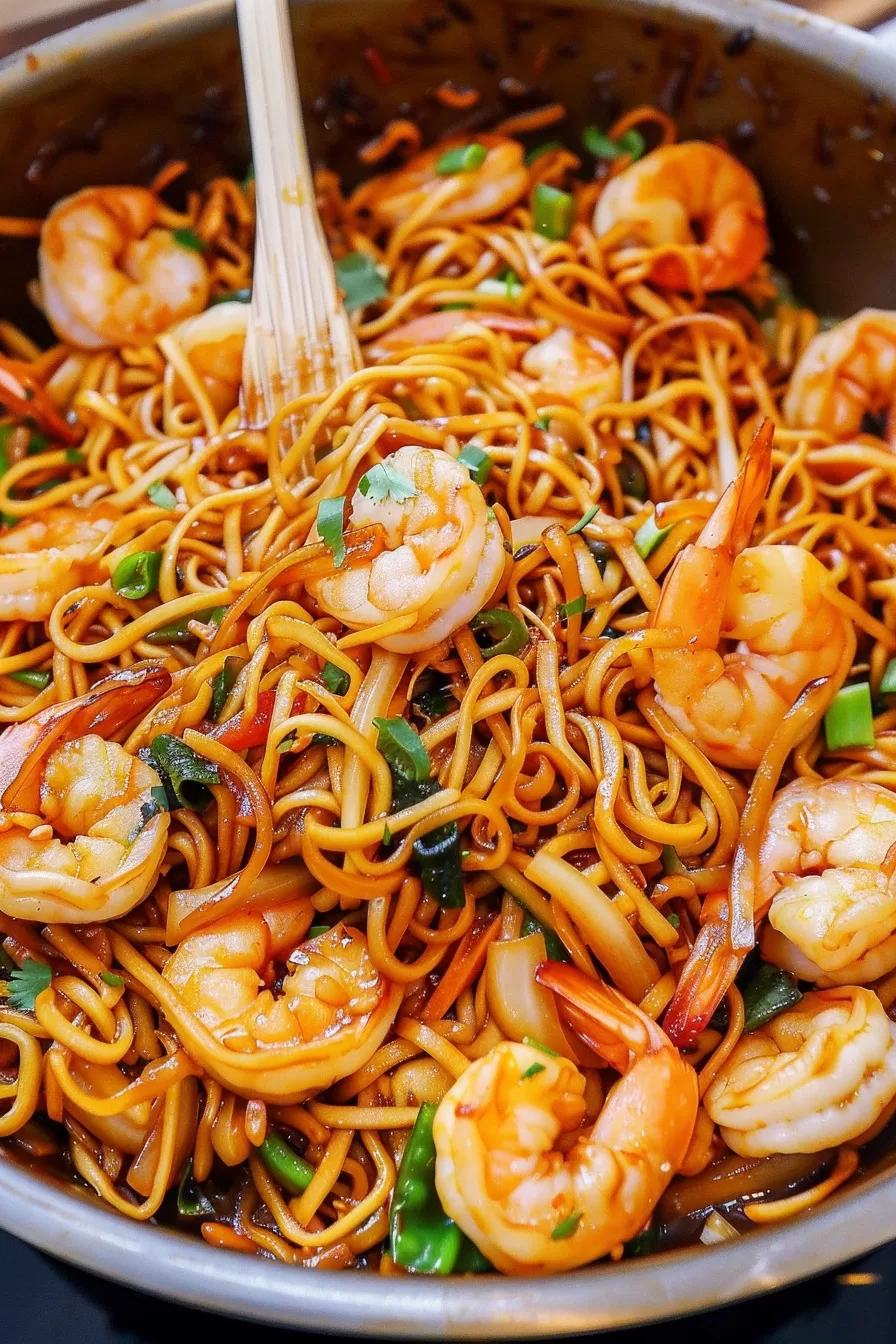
[
  {"x": 435, "y": 703},
  {"x": 452, "y": 307},
  {"x": 76, "y": 458},
  {"x": 335, "y": 680},
  {"x": 532, "y": 1070},
  {"x": 26, "y": 982},
  {"x": 567, "y": 1226},
  {"x": 285, "y": 1164},
  {"x": 461, "y": 159},
  {"x": 674, "y": 920},
  {"x": 888, "y": 680},
  {"x": 537, "y": 1045},
  {"x": 386, "y": 482},
  {"x": 359, "y": 278},
  {"x": 602, "y": 147},
  {"x": 184, "y": 773},
  {"x": 477, "y": 461},
  {"x": 584, "y": 520},
  {"x": 30, "y": 676},
  {"x": 317, "y": 930},
  {"x": 542, "y": 422},
  {"x": 387, "y": 836},
  {"x": 110, "y": 978},
  {"x": 403, "y": 749},
  {"x": 137, "y": 575},
  {"x": 769, "y": 993},
  {"x": 507, "y": 630},
  {"x": 648, "y": 536},
  {"x": 178, "y": 631},
  {"x": 159, "y": 493},
  {"x": 644, "y": 1243},
  {"x": 232, "y": 296},
  {"x": 331, "y": 527},
  {"x": 545, "y": 148},
  {"x": 187, "y": 238},
  {"x": 573, "y": 608},
  {"x": 191, "y": 1201},
  {"x": 552, "y": 211},
  {"x": 850, "y": 722},
  {"x": 506, "y": 285},
  {"x": 223, "y": 684},
  {"x": 671, "y": 862}
]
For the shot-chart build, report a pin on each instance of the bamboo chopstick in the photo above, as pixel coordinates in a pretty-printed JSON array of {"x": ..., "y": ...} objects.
[{"x": 299, "y": 338}]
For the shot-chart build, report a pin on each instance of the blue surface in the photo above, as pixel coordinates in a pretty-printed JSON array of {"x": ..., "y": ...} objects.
[{"x": 45, "y": 1301}]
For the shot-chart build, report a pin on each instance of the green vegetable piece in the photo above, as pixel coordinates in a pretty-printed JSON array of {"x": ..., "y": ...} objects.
[
  {"x": 185, "y": 774},
  {"x": 602, "y": 147},
  {"x": 671, "y": 862},
  {"x": 110, "y": 978},
  {"x": 191, "y": 1201},
  {"x": 506, "y": 285},
  {"x": 32, "y": 676},
  {"x": 331, "y": 527},
  {"x": 385, "y": 482},
  {"x": 188, "y": 238},
  {"x": 232, "y": 296},
  {"x": 439, "y": 861},
  {"x": 769, "y": 993},
  {"x": 567, "y": 1226},
  {"x": 285, "y": 1164},
  {"x": 538, "y": 150},
  {"x": 477, "y": 462},
  {"x": 317, "y": 929},
  {"x": 453, "y": 307},
  {"x": 537, "y": 1045},
  {"x": 178, "y": 632},
  {"x": 573, "y": 608},
  {"x": 507, "y": 630},
  {"x": 470, "y": 1260},
  {"x": 423, "y": 1237},
  {"x": 223, "y": 684},
  {"x": 585, "y": 519},
  {"x": 542, "y": 422},
  {"x": 26, "y": 982},
  {"x": 648, "y": 536},
  {"x": 6, "y": 433},
  {"x": 461, "y": 159},
  {"x": 387, "y": 835},
  {"x": 160, "y": 494},
  {"x": 849, "y": 721},
  {"x": 335, "y": 680},
  {"x": 554, "y": 946},
  {"x": 531, "y": 1072},
  {"x": 674, "y": 920},
  {"x": 435, "y": 703},
  {"x": 552, "y": 211},
  {"x": 137, "y": 575},
  {"x": 888, "y": 680},
  {"x": 76, "y": 458},
  {"x": 644, "y": 1243},
  {"x": 403, "y": 749},
  {"x": 359, "y": 278}
]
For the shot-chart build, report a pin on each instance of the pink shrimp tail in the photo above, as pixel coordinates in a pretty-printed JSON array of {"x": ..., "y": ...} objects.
[
  {"x": 732, "y": 521},
  {"x": 604, "y": 1018},
  {"x": 707, "y": 976}
]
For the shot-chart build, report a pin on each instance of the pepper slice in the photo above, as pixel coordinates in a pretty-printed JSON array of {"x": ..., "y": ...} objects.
[{"x": 424, "y": 1238}]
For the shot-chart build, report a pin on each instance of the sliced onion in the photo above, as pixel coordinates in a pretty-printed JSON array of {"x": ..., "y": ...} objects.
[
  {"x": 735, "y": 1176},
  {"x": 717, "y": 1229},
  {"x": 519, "y": 1005}
]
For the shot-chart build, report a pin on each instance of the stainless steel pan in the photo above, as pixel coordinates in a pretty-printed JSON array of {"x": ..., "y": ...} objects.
[{"x": 810, "y": 107}]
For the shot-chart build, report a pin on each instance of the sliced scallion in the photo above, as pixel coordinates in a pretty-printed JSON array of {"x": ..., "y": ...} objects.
[
  {"x": 850, "y": 721},
  {"x": 331, "y": 527},
  {"x": 648, "y": 537},
  {"x": 137, "y": 575},
  {"x": 360, "y": 280},
  {"x": 477, "y": 461},
  {"x": 507, "y": 630},
  {"x": 888, "y": 680},
  {"x": 32, "y": 676},
  {"x": 552, "y": 211},
  {"x": 461, "y": 159},
  {"x": 403, "y": 748}
]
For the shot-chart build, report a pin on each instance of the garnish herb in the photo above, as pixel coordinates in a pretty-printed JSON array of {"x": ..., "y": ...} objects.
[
  {"x": 26, "y": 982},
  {"x": 385, "y": 482},
  {"x": 360, "y": 280},
  {"x": 160, "y": 494},
  {"x": 477, "y": 462},
  {"x": 331, "y": 527},
  {"x": 137, "y": 575},
  {"x": 185, "y": 774},
  {"x": 188, "y": 238},
  {"x": 335, "y": 680}
]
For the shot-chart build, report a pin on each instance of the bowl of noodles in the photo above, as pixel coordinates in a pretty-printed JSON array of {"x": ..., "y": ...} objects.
[{"x": 449, "y": 835}]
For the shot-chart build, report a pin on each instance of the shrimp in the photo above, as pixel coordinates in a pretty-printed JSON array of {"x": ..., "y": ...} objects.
[
  {"x": 533, "y": 1204},
  {"x": 815, "y": 1076},
  {"x": 497, "y": 184},
  {"x": 213, "y": 343},
  {"x": 580, "y": 368},
  {"x": 81, "y": 837},
  {"x": 844, "y": 374},
  {"x": 434, "y": 328},
  {"x": 44, "y": 557},
  {"x": 771, "y": 601},
  {"x": 698, "y": 206},
  {"x": 108, "y": 277},
  {"x": 444, "y": 555},
  {"x": 279, "y": 1045},
  {"x": 826, "y": 875}
]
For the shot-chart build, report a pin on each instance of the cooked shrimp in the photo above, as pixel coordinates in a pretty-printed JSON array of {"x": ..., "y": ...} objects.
[
  {"x": 278, "y": 1044},
  {"x": 444, "y": 555},
  {"x": 844, "y": 374},
  {"x": 814, "y": 1077},
  {"x": 531, "y": 1204},
  {"x": 433, "y": 328},
  {"x": 108, "y": 277},
  {"x": 581, "y": 369},
  {"x": 81, "y": 837},
  {"x": 213, "y": 342},
  {"x": 497, "y": 184},
  {"x": 825, "y": 875},
  {"x": 698, "y": 206},
  {"x": 770, "y": 601},
  {"x": 44, "y": 557}
]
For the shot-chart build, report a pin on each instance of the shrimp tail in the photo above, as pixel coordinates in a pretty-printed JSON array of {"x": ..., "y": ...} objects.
[
  {"x": 709, "y": 972},
  {"x": 105, "y": 709},
  {"x": 603, "y": 1017},
  {"x": 732, "y": 521}
]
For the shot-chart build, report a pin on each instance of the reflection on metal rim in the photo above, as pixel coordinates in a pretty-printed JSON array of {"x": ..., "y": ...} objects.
[{"x": 676, "y": 1283}]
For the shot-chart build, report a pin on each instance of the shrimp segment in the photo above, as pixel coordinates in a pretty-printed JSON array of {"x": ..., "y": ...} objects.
[
  {"x": 497, "y": 184},
  {"x": 332, "y": 1013},
  {"x": 532, "y": 1205},
  {"x": 444, "y": 555},
  {"x": 698, "y": 201},
  {"x": 108, "y": 277},
  {"x": 824, "y": 873},
  {"x": 81, "y": 838},
  {"x": 213, "y": 342},
  {"x": 580, "y": 368},
  {"x": 770, "y": 601},
  {"x": 844, "y": 374},
  {"x": 44, "y": 557},
  {"x": 814, "y": 1077}
]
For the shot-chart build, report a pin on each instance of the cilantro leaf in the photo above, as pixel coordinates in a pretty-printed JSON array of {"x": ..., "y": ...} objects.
[
  {"x": 385, "y": 482},
  {"x": 26, "y": 982}
]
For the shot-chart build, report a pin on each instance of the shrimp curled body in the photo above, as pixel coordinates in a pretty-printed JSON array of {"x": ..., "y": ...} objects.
[
  {"x": 844, "y": 374},
  {"x": 698, "y": 207},
  {"x": 108, "y": 276},
  {"x": 814, "y": 1077},
  {"x": 486, "y": 191},
  {"x": 44, "y": 557},
  {"x": 444, "y": 555},
  {"x": 500, "y": 1172}
]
